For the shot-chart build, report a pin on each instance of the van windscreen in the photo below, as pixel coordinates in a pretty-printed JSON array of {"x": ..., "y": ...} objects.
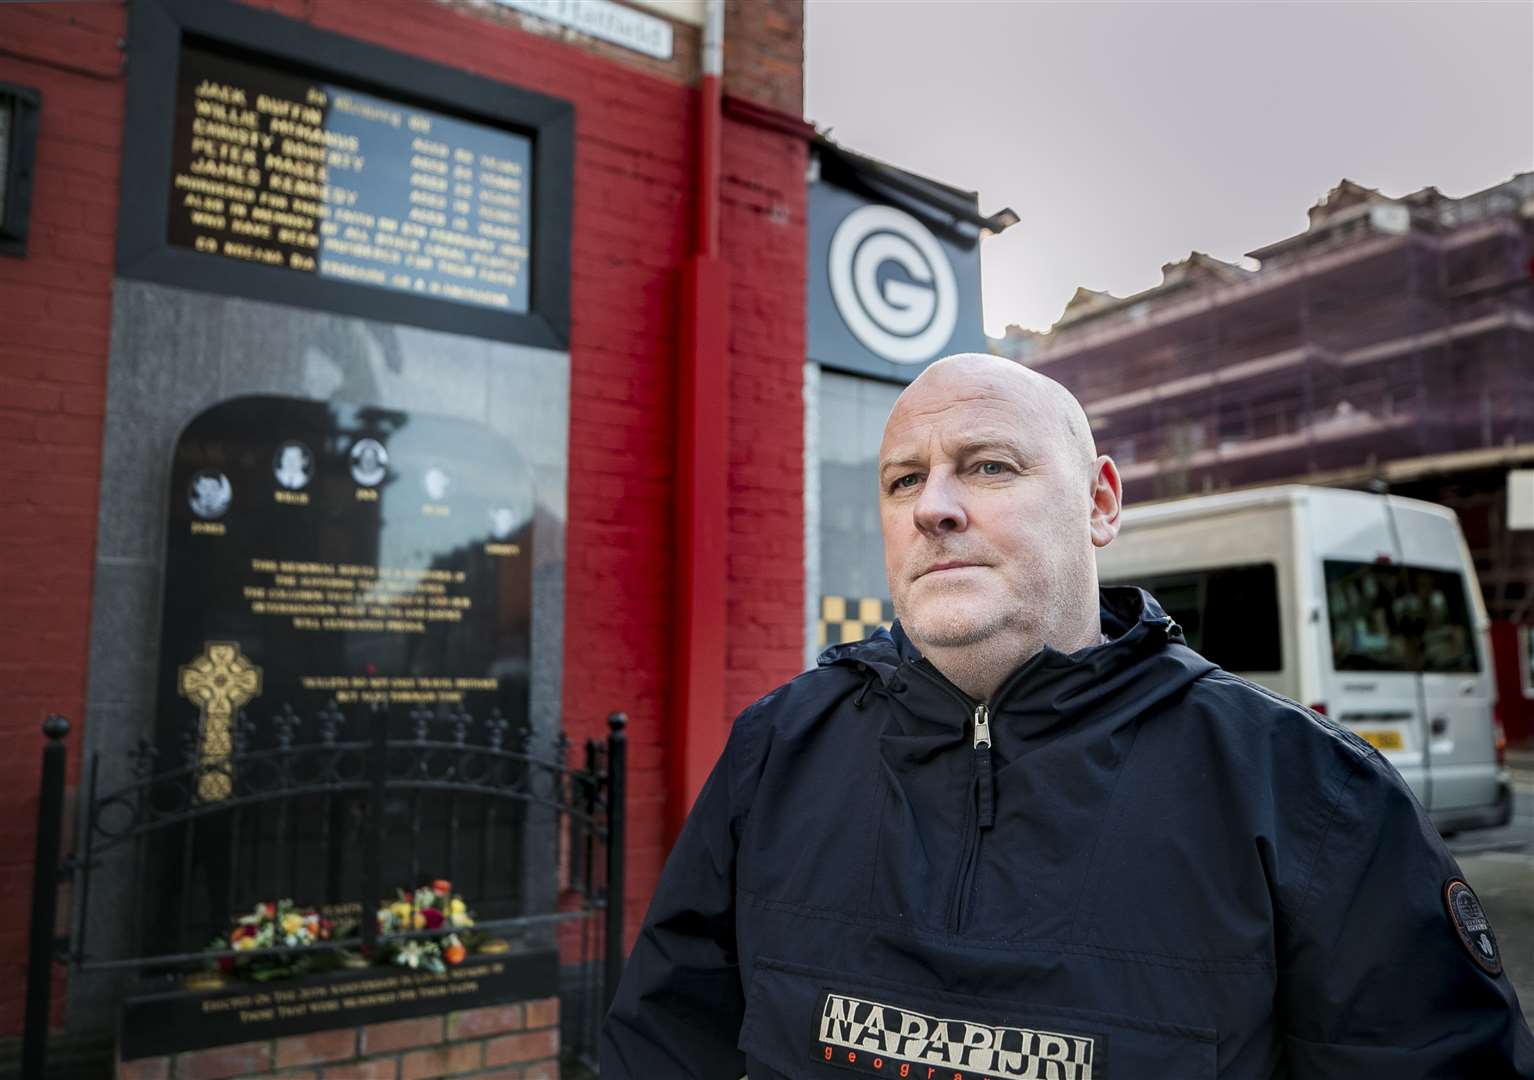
[
  {"x": 1398, "y": 618},
  {"x": 1229, "y": 614}
]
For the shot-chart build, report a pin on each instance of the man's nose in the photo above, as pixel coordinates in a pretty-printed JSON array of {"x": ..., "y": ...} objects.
[{"x": 940, "y": 506}]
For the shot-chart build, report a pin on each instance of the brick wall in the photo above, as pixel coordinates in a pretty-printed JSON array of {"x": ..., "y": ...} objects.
[
  {"x": 55, "y": 311},
  {"x": 504, "y": 1042},
  {"x": 633, "y": 190},
  {"x": 764, "y": 53}
]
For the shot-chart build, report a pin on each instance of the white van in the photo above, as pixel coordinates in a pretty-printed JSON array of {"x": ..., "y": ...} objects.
[{"x": 1363, "y": 607}]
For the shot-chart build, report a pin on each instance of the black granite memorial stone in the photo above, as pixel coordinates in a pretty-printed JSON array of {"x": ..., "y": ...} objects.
[
  {"x": 331, "y": 567},
  {"x": 320, "y": 552}
]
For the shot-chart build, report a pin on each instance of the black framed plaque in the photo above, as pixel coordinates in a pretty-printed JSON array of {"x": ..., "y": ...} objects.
[
  {"x": 268, "y": 159},
  {"x": 321, "y": 552}
]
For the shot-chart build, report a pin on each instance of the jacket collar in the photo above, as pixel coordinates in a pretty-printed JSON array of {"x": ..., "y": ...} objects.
[{"x": 1144, "y": 661}]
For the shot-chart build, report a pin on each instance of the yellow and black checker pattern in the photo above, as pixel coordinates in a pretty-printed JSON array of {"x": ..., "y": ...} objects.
[{"x": 852, "y": 618}]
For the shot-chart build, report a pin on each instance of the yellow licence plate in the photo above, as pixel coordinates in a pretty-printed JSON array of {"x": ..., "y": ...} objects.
[{"x": 1383, "y": 740}]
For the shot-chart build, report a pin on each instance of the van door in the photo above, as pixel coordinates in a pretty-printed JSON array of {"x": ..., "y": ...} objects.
[
  {"x": 1440, "y": 613},
  {"x": 1363, "y": 679},
  {"x": 1371, "y": 686}
]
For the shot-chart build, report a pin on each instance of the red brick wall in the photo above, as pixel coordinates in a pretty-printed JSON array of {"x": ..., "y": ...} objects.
[
  {"x": 764, "y": 53},
  {"x": 633, "y": 191},
  {"x": 55, "y": 307},
  {"x": 501, "y": 1042}
]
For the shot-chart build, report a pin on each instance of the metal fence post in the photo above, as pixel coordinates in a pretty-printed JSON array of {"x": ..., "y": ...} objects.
[
  {"x": 45, "y": 889},
  {"x": 372, "y": 843},
  {"x": 617, "y": 754}
]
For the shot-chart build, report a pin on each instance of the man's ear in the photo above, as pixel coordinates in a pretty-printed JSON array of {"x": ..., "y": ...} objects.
[{"x": 1107, "y": 501}]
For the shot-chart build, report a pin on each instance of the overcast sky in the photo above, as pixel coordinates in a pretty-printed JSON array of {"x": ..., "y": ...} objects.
[{"x": 1128, "y": 134}]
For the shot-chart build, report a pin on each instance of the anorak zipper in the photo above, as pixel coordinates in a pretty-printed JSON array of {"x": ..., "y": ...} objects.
[{"x": 982, "y": 801}]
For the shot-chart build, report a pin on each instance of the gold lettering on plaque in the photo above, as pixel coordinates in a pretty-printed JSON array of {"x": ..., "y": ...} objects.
[{"x": 219, "y": 682}]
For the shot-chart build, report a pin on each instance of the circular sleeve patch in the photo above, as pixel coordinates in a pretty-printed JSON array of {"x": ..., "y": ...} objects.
[{"x": 1470, "y": 924}]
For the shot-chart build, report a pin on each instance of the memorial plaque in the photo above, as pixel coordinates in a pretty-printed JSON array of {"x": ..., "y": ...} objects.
[
  {"x": 276, "y": 168},
  {"x": 319, "y": 552}
]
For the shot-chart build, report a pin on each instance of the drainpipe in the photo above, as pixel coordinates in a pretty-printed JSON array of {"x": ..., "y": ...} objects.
[{"x": 701, "y": 502}]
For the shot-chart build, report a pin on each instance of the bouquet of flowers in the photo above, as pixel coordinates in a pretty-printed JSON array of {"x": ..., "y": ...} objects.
[
  {"x": 431, "y": 907},
  {"x": 272, "y": 925}
]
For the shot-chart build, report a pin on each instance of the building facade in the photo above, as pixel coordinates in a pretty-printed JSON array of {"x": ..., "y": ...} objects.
[
  {"x": 650, "y": 378},
  {"x": 1392, "y": 342}
]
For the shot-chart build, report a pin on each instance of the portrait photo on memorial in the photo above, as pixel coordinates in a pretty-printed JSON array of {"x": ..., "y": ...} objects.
[
  {"x": 209, "y": 494},
  {"x": 369, "y": 462},
  {"x": 436, "y": 482},
  {"x": 293, "y": 466}
]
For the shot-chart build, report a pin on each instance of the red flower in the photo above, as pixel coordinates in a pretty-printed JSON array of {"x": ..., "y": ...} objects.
[
  {"x": 441, "y": 887},
  {"x": 241, "y": 932},
  {"x": 269, "y": 909},
  {"x": 432, "y": 916}
]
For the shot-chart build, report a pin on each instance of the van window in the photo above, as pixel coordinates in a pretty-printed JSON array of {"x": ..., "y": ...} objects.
[
  {"x": 1229, "y": 614},
  {"x": 1398, "y": 618}
]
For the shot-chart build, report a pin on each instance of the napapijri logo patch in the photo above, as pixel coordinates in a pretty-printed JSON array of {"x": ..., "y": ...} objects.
[
  {"x": 888, "y": 1040},
  {"x": 1470, "y": 923}
]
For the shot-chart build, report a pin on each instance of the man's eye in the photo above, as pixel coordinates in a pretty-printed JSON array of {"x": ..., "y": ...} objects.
[
  {"x": 991, "y": 468},
  {"x": 909, "y": 480}
]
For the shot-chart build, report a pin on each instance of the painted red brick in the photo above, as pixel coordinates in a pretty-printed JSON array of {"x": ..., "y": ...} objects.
[
  {"x": 532, "y": 1046},
  {"x": 224, "y": 1061},
  {"x": 316, "y": 1047},
  {"x": 401, "y": 1034},
  {"x": 441, "y": 1061},
  {"x": 474, "y": 1023}
]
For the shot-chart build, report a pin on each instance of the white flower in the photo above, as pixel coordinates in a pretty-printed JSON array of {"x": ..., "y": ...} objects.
[{"x": 410, "y": 954}]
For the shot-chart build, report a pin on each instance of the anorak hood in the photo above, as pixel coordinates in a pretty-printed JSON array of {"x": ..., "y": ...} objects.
[{"x": 1144, "y": 662}]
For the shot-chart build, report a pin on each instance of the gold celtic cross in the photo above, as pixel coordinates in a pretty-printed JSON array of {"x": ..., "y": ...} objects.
[{"x": 219, "y": 682}]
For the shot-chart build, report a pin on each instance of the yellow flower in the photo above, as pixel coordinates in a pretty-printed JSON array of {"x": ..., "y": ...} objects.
[
  {"x": 245, "y": 943},
  {"x": 459, "y": 907},
  {"x": 292, "y": 923},
  {"x": 400, "y": 910},
  {"x": 420, "y": 921}
]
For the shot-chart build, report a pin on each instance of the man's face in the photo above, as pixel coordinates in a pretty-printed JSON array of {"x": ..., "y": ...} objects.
[{"x": 986, "y": 505}]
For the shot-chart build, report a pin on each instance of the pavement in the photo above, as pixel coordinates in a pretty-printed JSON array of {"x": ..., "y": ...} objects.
[{"x": 1499, "y": 864}]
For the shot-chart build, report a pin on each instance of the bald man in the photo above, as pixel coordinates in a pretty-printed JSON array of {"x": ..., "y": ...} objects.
[{"x": 1029, "y": 834}]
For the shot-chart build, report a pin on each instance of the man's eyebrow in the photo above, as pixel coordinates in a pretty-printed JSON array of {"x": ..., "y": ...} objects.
[
  {"x": 967, "y": 449},
  {"x": 907, "y": 462},
  {"x": 988, "y": 444}
]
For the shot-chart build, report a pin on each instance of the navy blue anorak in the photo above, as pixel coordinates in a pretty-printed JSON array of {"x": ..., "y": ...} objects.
[{"x": 1155, "y": 869}]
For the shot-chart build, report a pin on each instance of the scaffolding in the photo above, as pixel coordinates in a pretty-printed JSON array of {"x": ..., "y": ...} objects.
[{"x": 1391, "y": 342}]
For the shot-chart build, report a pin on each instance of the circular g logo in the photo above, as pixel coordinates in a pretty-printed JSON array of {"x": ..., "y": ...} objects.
[{"x": 906, "y": 322}]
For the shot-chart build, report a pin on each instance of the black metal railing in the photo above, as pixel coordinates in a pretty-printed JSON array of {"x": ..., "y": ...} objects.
[{"x": 372, "y": 799}]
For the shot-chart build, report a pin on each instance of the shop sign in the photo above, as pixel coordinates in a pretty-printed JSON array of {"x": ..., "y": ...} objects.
[
  {"x": 888, "y": 293},
  {"x": 604, "y": 20}
]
